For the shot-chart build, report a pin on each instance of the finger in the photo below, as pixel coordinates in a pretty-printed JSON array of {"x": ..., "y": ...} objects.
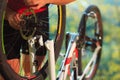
[
  {"x": 34, "y": 3},
  {"x": 31, "y": 2},
  {"x": 15, "y": 20},
  {"x": 14, "y": 24},
  {"x": 27, "y": 2},
  {"x": 36, "y": 7},
  {"x": 18, "y": 17}
]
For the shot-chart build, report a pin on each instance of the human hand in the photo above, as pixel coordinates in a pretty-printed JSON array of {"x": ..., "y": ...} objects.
[
  {"x": 14, "y": 20},
  {"x": 36, "y": 4}
]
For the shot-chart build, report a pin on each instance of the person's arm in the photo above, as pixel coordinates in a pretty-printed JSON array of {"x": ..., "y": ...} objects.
[
  {"x": 60, "y": 2},
  {"x": 36, "y": 4}
]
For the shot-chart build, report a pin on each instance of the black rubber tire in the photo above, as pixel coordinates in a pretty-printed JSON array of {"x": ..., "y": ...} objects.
[
  {"x": 84, "y": 38},
  {"x": 5, "y": 69}
]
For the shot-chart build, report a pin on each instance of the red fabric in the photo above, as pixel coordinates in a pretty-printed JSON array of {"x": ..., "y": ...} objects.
[
  {"x": 28, "y": 13},
  {"x": 19, "y": 6}
]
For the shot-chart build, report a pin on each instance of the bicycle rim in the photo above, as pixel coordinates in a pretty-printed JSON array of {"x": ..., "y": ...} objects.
[
  {"x": 90, "y": 39},
  {"x": 5, "y": 69}
]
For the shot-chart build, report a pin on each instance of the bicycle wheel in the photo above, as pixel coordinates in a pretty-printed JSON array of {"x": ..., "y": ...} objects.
[
  {"x": 6, "y": 71},
  {"x": 90, "y": 42}
]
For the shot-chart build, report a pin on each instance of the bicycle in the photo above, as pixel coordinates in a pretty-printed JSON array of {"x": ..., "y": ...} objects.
[{"x": 72, "y": 67}]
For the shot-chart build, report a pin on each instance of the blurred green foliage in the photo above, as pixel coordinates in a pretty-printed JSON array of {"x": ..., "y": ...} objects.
[{"x": 109, "y": 68}]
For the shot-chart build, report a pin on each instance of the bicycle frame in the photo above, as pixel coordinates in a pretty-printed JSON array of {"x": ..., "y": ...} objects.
[
  {"x": 70, "y": 60},
  {"x": 69, "y": 57}
]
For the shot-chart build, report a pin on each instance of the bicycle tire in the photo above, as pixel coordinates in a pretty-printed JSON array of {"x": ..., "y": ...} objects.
[
  {"x": 6, "y": 71},
  {"x": 83, "y": 38}
]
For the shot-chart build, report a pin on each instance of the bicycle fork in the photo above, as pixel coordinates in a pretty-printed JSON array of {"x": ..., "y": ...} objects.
[
  {"x": 51, "y": 58},
  {"x": 32, "y": 50}
]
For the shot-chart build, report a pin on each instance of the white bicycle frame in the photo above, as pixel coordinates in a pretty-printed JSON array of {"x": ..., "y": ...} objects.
[{"x": 70, "y": 56}]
